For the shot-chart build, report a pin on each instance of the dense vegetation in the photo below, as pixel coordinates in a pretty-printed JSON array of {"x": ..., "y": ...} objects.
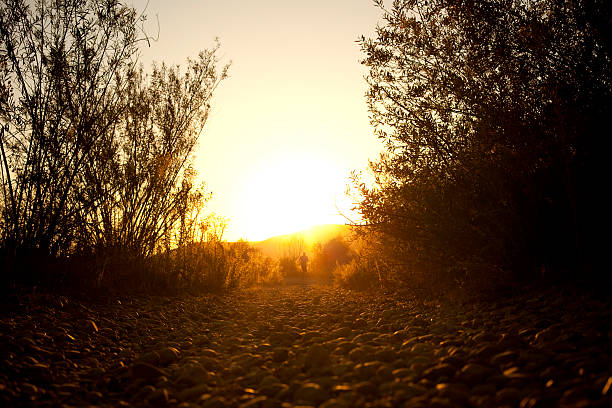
[
  {"x": 493, "y": 113},
  {"x": 97, "y": 184}
]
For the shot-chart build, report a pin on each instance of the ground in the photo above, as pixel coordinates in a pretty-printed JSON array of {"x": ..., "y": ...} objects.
[{"x": 304, "y": 344}]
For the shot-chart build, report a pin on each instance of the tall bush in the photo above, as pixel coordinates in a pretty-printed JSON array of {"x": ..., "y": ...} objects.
[
  {"x": 95, "y": 153},
  {"x": 330, "y": 255},
  {"x": 148, "y": 184},
  {"x": 62, "y": 65},
  {"x": 491, "y": 113}
]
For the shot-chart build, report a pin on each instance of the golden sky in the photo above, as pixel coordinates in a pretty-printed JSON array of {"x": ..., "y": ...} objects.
[{"x": 290, "y": 122}]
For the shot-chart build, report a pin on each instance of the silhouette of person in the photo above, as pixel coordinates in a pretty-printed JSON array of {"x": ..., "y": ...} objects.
[{"x": 304, "y": 263}]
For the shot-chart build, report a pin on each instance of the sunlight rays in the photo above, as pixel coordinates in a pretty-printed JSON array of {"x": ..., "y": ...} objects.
[{"x": 292, "y": 194}]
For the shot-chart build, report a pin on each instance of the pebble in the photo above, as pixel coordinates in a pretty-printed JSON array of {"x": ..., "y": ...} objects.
[
  {"x": 334, "y": 403},
  {"x": 385, "y": 373},
  {"x": 474, "y": 374},
  {"x": 271, "y": 390},
  {"x": 439, "y": 372},
  {"x": 29, "y": 389},
  {"x": 168, "y": 356},
  {"x": 317, "y": 357},
  {"x": 275, "y": 348},
  {"x": 359, "y": 354},
  {"x": 192, "y": 374},
  {"x": 159, "y": 398},
  {"x": 457, "y": 392},
  {"x": 310, "y": 393},
  {"x": 366, "y": 388},
  {"x": 145, "y": 371},
  {"x": 280, "y": 354},
  {"x": 193, "y": 393},
  {"x": 214, "y": 402},
  {"x": 508, "y": 396},
  {"x": 504, "y": 358}
]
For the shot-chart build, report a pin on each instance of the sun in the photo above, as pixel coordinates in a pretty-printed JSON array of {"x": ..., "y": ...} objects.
[{"x": 292, "y": 194}]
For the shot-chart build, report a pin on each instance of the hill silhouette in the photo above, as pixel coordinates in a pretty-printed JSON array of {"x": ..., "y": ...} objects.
[{"x": 321, "y": 233}]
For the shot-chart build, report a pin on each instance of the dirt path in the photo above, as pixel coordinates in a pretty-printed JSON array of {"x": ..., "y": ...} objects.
[{"x": 307, "y": 345}]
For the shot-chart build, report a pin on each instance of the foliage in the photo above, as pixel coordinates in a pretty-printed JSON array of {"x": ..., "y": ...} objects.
[
  {"x": 207, "y": 266},
  {"x": 61, "y": 65},
  {"x": 291, "y": 249},
  {"x": 215, "y": 266},
  {"x": 97, "y": 184},
  {"x": 491, "y": 113},
  {"x": 358, "y": 274},
  {"x": 148, "y": 189},
  {"x": 329, "y": 256}
]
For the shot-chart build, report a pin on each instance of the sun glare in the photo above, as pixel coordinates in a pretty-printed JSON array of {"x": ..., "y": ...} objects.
[{"x": 292, "y": 194}]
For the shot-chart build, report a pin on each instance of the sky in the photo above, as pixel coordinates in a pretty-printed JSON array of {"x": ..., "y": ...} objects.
[{"x": 290, "y": 122}]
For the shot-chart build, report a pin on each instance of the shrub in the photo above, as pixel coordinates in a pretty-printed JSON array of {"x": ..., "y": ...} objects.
[
  {"x": 329, "y": 256},
  {"x": 490, "y": 113},
  {"x": 359, "y": 274}
]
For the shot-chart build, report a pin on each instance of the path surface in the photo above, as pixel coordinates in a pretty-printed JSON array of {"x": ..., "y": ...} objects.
[{"x": 306, "y": 345}]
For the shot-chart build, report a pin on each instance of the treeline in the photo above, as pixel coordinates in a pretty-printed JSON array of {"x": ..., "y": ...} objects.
[
  {"x": 96, "y": 153},
  {"x": 325, "y": 257},
  {"x": 494, "y": 114}
]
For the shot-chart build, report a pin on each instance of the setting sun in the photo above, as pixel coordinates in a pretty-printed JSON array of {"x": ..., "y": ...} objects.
[
  {"x": 290, "y": 123},
  {"x": 292, "y": 194}
]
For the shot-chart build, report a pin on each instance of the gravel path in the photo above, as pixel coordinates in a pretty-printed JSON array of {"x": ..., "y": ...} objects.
[{"x": 307, "y": 345}]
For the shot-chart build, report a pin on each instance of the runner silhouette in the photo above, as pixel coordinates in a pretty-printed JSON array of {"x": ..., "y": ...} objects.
[{"x": 304, "y": 264}]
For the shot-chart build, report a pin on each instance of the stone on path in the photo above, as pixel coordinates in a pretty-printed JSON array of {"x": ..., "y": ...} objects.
[
  {"x": 145, "y": 371},
  {"x": 317, "y": 357},
  {"x": 309, "y": 345},
  {"x": 310, "y": 393}
]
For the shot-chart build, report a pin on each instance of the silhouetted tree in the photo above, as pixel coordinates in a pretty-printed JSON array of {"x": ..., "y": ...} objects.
[
  {"x": 95, "y": 155},
  {"x": 62, "y": 74},
  {"x": 491, "y": 112},
  {"x": 147, "y": 190}
]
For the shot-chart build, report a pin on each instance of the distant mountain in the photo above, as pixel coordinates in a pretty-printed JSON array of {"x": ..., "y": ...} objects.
[{"x": 320, "y": 233}]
